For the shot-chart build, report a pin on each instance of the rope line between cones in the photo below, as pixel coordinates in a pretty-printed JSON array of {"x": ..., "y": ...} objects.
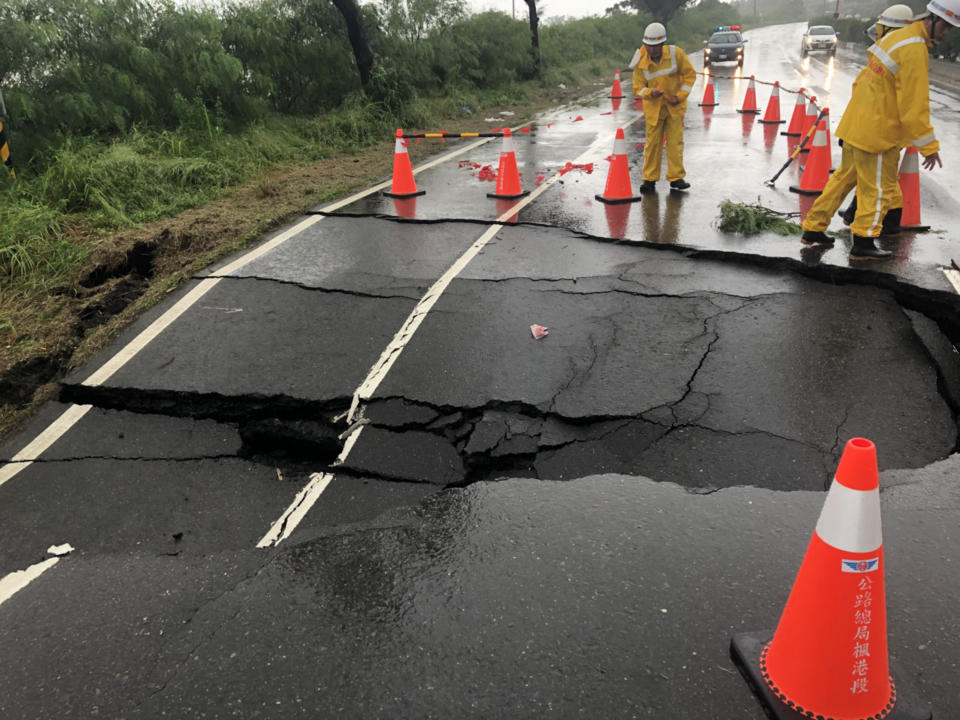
[{"x": 760, "y": 82}]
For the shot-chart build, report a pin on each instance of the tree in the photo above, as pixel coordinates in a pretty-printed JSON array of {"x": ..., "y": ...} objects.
[
  {"x": 358, "y": 39},
  {"x": 534, "y": 36},
  {"x": 662, "y": 11}
]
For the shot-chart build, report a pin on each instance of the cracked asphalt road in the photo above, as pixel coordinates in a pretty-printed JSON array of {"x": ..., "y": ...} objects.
[{"x": 513, "y": 527}]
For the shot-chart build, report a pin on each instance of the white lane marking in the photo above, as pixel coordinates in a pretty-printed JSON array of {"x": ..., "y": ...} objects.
[
  {"x": 409, "y": 327},
  {"x": 954, "y": 277},
  {"x": 305, "y": 499},
  {"x": 16, "y": 581},
  {"x": 74, "y": 413}
]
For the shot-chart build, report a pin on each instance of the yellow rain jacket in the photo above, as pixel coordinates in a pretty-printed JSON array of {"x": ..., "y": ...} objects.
[
  {"x": 674, "y": 75},
  {"x": 890, "y": 104}
]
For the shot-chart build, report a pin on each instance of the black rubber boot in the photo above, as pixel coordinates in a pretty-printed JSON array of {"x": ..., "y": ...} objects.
[
  {"x": 864, "y": 249},
  {"x": 680, "y": 184},
  {"x": 850, "y": 213},
  {"x": 648, "y": 186},
  {"x": 815, "y": 237},
  {"x": 891, "y": 222}
]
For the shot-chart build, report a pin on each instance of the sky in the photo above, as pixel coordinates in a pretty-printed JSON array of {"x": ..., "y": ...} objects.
[{"x": 550, "y": 8}]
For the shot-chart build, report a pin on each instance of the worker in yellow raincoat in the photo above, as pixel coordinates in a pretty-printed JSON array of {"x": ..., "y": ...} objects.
[
  {"x": 893, "y": 18},
  {"x": 663, "y": 78},
  {"x": 889, "y": 109}
]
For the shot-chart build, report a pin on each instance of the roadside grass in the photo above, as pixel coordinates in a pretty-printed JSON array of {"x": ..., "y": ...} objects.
[{"x": 69, "y": 235}]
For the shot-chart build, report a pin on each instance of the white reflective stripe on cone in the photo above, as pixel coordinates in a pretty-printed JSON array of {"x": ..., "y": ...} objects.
[
  {"x": 800, "y": 100},
  {"x": 776, "y": 90},
  {"x": 911, "y": 162},
  {"x": 507, "y": 144},
  {"x": 399, "y": 147},
  {"x": 620, "y": 146},
  {"x": 850, "y": 519},
  {"x": 820, "y": 139}
]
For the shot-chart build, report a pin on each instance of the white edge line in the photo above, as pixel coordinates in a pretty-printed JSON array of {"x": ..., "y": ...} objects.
[
  {"x": 41, "y": 442},
  {"x": 954, "y": 277},
  {"x": 17, "y": 581}
]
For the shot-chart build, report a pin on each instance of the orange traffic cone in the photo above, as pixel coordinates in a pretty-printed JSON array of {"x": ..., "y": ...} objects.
[
  {"x": 709, "y": 98},
  {"x": 909, "y": 179},
  {"x": 404, "y": 185},
  {"x": 750, "y": 99},
  {"x": 795, "y": 128},
  {"x": 508, "y": 177},
  {"x": 618, "y": 189},
  {"x": 817, "y": 170},
  {"x": 809, "y": 118},
  {"x": 828, "y": 657},
  {"x": 617, "y": 91},
  {"x": 772, "y": 116}
]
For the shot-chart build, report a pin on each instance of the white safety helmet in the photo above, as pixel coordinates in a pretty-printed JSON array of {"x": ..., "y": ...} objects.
[
  {"x": 949, "y": 10},
  {"x": 896, "y": 16},
  {"x": 655, "y": 34}
]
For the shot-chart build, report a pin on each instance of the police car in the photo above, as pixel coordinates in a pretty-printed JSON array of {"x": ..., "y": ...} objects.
[{"x": 725, "y": 45}]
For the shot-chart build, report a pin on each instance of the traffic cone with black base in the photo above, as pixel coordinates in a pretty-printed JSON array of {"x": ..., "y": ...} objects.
[
  {"x": 617, "y": 91},
  {"x": 750, "y": 99},
  {"x": 508, "y": 176},
  {"x": 772, "y": 115},
  {"x": 817, "y": 170},
  {"x": 403, "y": 186},
  {"x": 909, "y": 179},
  {"x": 709, "y": 96},
  {"x": 619, "y": 189},
  {"x": 828, "y": 656},
  {"x": 795, "y": 128}
]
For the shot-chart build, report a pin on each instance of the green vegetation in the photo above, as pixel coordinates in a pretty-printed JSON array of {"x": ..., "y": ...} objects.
[
  {"x": 124, "y": 111},
  {"x": 754, "y": 219}
]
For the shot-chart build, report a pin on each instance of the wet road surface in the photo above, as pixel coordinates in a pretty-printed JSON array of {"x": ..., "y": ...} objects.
[{"x": 339, "y": 477}]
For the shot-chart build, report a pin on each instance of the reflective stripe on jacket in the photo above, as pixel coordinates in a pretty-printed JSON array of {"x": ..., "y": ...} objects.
[
  {"x": 890, "y": 104},
  {"x": 674, "y": 75}
]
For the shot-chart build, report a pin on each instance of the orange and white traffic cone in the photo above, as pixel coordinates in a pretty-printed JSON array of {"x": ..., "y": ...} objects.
[
  {"x": 750, "y": 99},
  {"x": 817, "y": 170},
  {"x": 795, "y": 128},
  {"x": 404, "y": 185},
  {"x": 772, "y": 116},
  {"x": 508, "y": 176},
  {"x": 617, "y": 91},
  {"x": 619, "y": 189},
  {"x": 709, "y": 97},
  {"x": 809, "y": 118},
  {"x": 828, "y": 657},
  {"x": 909, "y": 179}
]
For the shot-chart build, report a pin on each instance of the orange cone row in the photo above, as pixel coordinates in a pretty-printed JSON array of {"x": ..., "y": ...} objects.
[
  {"x": 794, "y": 129},
  {"x": 772, "y": 115},
  {"x": 828, "y": 657},
  {"x": 750, "y": 99},
  {"x": 617, "y": 92},
  {"x": 618, "y": 189}
]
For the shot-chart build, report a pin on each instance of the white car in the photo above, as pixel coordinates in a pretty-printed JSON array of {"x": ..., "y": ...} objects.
[{"x": 819, "y": 38}]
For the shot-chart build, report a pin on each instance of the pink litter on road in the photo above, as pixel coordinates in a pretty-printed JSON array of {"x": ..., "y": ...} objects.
[
  {"x": 578, "y": 118},
  {"x": 469, "y": 164},
  {"x": 607, "y": 113},
  {"x": 539, "y": 332},
  {"x": 539, "y": 179},
  {"x": 526, "y": 129},
  {"x": 487, "y": 173}
]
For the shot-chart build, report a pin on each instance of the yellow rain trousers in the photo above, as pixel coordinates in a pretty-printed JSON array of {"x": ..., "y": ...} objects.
[
  {"x": 841, "y": 182},
  {"x": 675, "y": 77},
  {"x": 653, "y": 152}
]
